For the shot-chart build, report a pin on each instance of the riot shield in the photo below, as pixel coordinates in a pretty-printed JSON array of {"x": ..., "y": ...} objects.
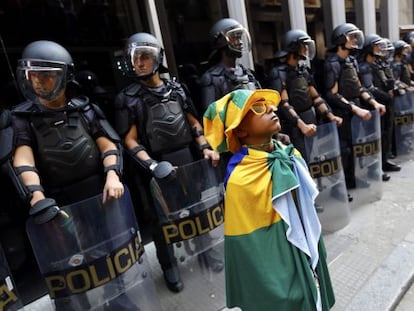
[
  {"x": 325, "y": 167},
  {"x": 9, "y": 298},
  {"x": 92, "y": 257},
  {"x": 404, "y": 125},
  {"x": 366, "y": 145},
  {"x": 190, "y": 208}
]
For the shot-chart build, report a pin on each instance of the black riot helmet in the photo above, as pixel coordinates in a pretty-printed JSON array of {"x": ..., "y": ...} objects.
[
  {"x": 409, "y": 37},
  {"x": 44, "y": 70},
  {"x": 389, "y": 50},
  {"x": 228, "y": 32},
  {"x": 402, "y": 48},
  {"x": 374, "y": 45},
  {"x": 143, "y": 45},
  {"x": 300, "y": 43},
  {"x": 348, "y": 36}
]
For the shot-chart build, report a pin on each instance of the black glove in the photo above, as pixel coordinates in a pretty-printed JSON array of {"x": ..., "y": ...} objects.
[
  {"x": 44, "y": 210},
  {"x": 162, "y": 170}
]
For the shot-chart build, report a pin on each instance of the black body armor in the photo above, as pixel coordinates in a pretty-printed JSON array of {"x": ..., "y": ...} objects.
[
  {"x": 65, "y": 152},
  {"x": 219, "y": 81},
  {"x": 161, "y": 121}
]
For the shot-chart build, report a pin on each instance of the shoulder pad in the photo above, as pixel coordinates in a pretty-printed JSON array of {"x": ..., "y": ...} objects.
[
  {"x": 25, "y": 107},
  {"x": 364, "y": 68},
  {"x": 98, "y": 111},
  {"x": 5, "y": 119},
  {"x": 79, "y": 102},
  {"x": 205, "y": 79},
  {"x": 217, "y": 70},
  {"x": 132, "y": 89},
  {"x": 281, "y": 72}
]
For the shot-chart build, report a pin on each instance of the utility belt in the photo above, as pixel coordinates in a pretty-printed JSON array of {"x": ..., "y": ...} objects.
[{"x": 77, "y": 191}]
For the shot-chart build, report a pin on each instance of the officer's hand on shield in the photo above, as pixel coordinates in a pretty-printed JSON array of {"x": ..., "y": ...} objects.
[
  {"x": 364, "y": 114},
  {"x": 45, "y": 210},
  {"x": 378, "y": 107},
  {"x": 307, "y": 129},
  {"x": 212, "y": 155},
  {"x": 163, "y": 170},
  {"x": 113, "y": 188},
  {"x": 337, "y": 120}
]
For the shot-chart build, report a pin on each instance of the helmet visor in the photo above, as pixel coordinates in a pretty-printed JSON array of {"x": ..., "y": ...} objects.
[
  {"x": 41, "y": 79},
  {"x": 238, "y": 40},
  {"x": 406, "y": 50},
  {"x": 379, "y": 48},
  {"x": 355, "y": 39},
  {"x": 307, "y": 49},
  {"x": 145, "y": 59}
]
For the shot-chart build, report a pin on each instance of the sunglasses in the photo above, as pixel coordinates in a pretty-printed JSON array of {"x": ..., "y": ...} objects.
[{"x": 261, "y": 107}]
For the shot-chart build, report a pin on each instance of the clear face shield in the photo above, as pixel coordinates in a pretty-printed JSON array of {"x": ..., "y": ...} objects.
[
  {"x": 355, "y": 39},
  {"x": 307, "y": 49},
  {"x": 406, "y": 50},
  {"x": 238, "y": 40},
  {"x": 145, "y": 59},
  {"x": 389, "y": 50},
  {"x": 43, "y": 79},
  {"x": 379, "y": 48}
]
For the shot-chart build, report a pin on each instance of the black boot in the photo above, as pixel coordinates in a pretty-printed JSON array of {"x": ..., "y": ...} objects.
[
  {"x": 173, "y": 279},
  {"x": 390, "y": 166}
]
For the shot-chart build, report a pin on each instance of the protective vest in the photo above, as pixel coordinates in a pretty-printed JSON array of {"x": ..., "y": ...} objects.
[
  {"x": 405, "y": 74},
  {"x": 348, "y": 83},
  {"x": 226, "y": 80},
  {"x": 65, "y": 152},
  {"x": 166, "y": 125},
  {"x": 297, "y": 87},
  {"x": 379, "y": 77}
]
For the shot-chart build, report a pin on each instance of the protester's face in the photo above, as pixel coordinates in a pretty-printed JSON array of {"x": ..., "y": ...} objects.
[{"x": 261, "y": 120}]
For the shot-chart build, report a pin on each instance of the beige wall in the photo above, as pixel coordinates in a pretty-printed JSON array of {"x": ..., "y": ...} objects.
[{"x": 406, "y": 12}]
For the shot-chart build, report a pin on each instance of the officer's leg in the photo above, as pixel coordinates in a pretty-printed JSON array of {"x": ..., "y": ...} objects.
[
  {"x": 165, "y": 252},
  {"x": 167, "y": 260},
  {"x": 386, "y": 140}
]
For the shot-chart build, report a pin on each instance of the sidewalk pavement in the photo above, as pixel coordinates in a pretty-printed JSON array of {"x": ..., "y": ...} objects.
[{"x": 371, "y": 259}]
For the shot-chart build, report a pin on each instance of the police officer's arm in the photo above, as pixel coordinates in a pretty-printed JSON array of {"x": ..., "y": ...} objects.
[
  {"x": 23, "y": 158},
  {"x": 339, "y": 100},
  {"x": 367, "y": 96},
  {"x": 41, "y": 208},
  {"x": 131, "y": 143},
  {"x": 331, "y": 71},
  {"x": 113, "y": 188},
  {"x": 307, "y": 129},
  {"x": 322, "y": 106},
  {"x": 277, "y": 82},
  {"x": 368, "y": 90},
  {"x": 201, "y": 140}
]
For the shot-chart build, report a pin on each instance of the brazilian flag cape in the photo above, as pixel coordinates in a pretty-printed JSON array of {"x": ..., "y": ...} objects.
[{"x": 264, "y": 271}]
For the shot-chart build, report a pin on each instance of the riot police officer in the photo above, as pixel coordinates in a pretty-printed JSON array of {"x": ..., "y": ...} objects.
[
  {"x": 344, "y": 90},
  {"x": 157, "y": 123},
  {"x": 229, "y": 40},
  {"x": 299, "y": 96},
  {"x": 409, "y": 39},
  {"x": 372, "y": 76},
  {"x": 64, "y": 149},
  {"x": 400, "y": 66}
]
